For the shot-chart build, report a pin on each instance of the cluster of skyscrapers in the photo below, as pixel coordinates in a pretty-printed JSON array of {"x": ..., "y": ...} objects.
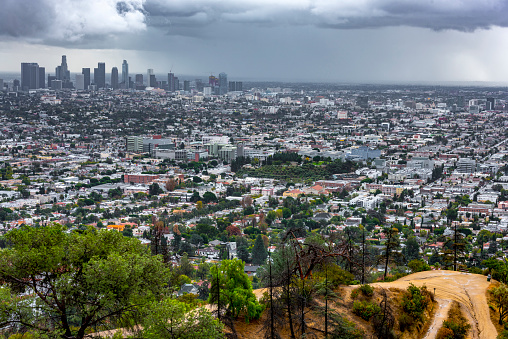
[{"x": 33, "y": 77}]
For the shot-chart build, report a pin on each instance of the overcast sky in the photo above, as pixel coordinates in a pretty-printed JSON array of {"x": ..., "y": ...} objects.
[{"x": 287, "y": 40}]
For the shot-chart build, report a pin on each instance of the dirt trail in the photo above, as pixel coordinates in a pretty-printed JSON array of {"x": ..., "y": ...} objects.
[{"x": 467, "y": 289}]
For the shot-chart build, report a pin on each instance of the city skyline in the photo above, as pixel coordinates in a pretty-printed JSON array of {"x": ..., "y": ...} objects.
[{"x": 371, "y": 41}]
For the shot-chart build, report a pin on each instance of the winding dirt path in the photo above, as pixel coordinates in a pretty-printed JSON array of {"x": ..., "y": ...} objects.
[{"x": 465, "y": 288}]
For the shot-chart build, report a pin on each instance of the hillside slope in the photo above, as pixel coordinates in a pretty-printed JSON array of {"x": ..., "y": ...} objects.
[{"x": 465, "y": 288}]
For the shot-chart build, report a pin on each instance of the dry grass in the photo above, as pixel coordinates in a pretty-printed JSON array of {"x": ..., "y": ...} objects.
[
  {"x": 494, "y": 314},
  {"x": 456, "y": 315}
]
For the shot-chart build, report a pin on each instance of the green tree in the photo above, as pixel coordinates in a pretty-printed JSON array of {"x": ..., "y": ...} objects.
[
  {"x": 412, "y": 249},
  {"x": 259, "y": 253},
  {"x": 391, "y": 250},
  {"x": 418, "y": 265},
  {"x": 209, "y": 197},
  {"x": 500, "y": 299},
  {"x": 154, "y": 189},
  {"x": 79, "y": 280},
  {"x": 173, "y": 319},
  {"x": 127, "y": 232},
  {"x": 186, "y": 267},
  {"x": 231, "y": 290}
]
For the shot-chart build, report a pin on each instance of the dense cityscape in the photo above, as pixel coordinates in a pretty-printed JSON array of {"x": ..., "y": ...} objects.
[{"x": 387, "y": 180}]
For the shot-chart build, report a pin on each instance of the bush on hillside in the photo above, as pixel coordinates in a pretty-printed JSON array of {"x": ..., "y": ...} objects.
[
  {"x": 365, "y": 290},
  {"x": 365, "y": 309},
  {"x": 415, "y": 301}
]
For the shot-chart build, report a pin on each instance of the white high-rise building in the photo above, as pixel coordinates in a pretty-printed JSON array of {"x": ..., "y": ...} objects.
[{"x": 148, "y": 73}]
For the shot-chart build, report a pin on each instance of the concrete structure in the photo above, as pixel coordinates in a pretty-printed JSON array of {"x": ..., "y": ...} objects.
[
  {"x": 139, "y": 178},
  {"x": 80, "y": 81},
  {"x": 134, "y": 144},
  {"x": 465, "y": 165}
]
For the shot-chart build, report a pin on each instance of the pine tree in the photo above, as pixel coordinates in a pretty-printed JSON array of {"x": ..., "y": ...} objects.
[{"x": 259, "y": 252}]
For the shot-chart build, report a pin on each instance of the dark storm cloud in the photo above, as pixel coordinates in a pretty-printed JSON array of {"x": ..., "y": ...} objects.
[
  {"x": 24, "y": 18},
  {"x": 462, "y": 15},
  {"x": 59, "y": 22}
]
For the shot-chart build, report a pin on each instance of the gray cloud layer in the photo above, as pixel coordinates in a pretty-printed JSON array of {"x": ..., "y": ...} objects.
[
  {"x": 72, "y": 21},
  {"x": 53, "y": 21}
]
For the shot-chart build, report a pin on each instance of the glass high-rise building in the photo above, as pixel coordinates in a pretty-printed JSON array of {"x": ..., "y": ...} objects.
[
  {"x": 86, "y": 80},
  {"x": 125, "y": 74},
  {"x": 29, "y": 76},
  {"x": 99, "y": 75},
  {"x": 114, "y": 78},
  {"x": 42, "y": 77},
  {"x": 171, "y": 82},
  {"x": 223, "y": 83}
]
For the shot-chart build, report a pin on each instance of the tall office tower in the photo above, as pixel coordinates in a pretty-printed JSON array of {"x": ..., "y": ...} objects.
[
  {"x": 50, "y": 79},
  {"x": 139, "y": 79},
  {"x": 1, "y": 85},
  {"x": 148, "y": 73},
  {"x": 232, "y": 86},
  {"x": 86, "y": 74},
  {"x": 177, "y": 84},
  {"x": 213, "y": 81},
  {"x": 186, "y": 85},
  {"x": 62, "y": 71},
  {"x": 80, "y": 82},
  {"x": 199, "y": 85},
  {"x": 125, "y": 74},
  {"x": 42, "y": 77},
  {"x": 99, "y": 75},
  {"x": 489, "y": 105},
  {"x": 152, "y": 81},
  {"x": 223, "y": 83},
  {"x": 114, "y": 78},
  {"x": 29, "y": 76},
  {"x": 171, "y": 82}
]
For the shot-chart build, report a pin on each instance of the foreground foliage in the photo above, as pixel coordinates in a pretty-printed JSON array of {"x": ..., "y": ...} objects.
[
  {"x": 173, "y": 319},
  {"x": 68, "y": 284}
]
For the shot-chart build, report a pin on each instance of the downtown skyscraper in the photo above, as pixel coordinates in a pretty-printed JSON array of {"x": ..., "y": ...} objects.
[
  {"x": 29, "y": 76},
  {"x": 99, "y": 75},
  {"x": 125, "y": 74},
  {"x": 114, "y": 78},
  {"x": 223, "y": 83},
  {"x": 62, "y": 72}
]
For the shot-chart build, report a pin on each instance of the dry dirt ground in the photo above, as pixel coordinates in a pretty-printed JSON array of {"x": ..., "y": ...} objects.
[{"x": 465, "y": 288}]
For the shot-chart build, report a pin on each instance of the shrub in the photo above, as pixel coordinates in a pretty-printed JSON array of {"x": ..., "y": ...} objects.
[
  {"x": 418, "y": 265},
  {"x": 444, "y": 333},
  {"x": 405, "y": 321},
  {"x": 366, "y": 291},
  {"x": 365, "y": 309},
  {"x": 342, "y": 328},
  {"x": 458, "y": 328},
  {"x": 503, "y": 335},
  {"x": 415, "y": 301},
  {"x": 335, "y": 275},
  {"x": 394, "y": 277}
]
